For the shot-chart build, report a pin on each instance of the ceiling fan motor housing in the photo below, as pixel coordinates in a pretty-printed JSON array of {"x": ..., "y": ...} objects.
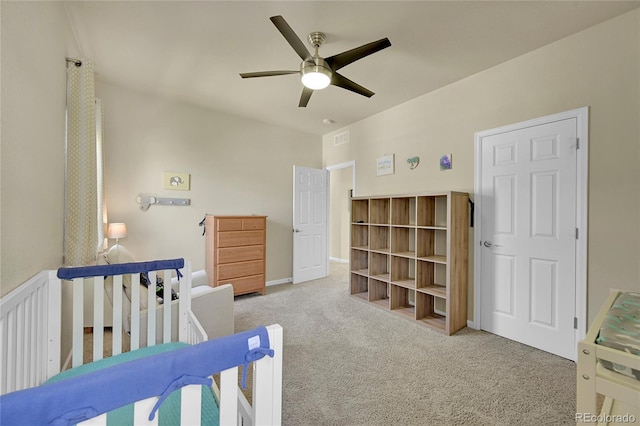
[{"x": 316, "y": 73}]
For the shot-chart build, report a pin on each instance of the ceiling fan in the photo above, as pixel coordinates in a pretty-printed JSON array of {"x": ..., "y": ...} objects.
[{"x": 316, "y": 72}]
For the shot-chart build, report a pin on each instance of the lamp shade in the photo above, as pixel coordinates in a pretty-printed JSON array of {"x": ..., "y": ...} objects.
[{"x": 116, "y": 230}]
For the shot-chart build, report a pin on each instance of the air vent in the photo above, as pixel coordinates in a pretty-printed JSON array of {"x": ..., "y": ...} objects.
[{"x": 341, "y": 138}]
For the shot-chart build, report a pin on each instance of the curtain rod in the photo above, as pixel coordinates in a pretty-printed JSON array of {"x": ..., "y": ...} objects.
[{"x": 76, "y": 62}]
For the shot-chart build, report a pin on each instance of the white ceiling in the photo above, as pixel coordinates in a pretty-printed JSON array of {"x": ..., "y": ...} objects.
[{"x": 194, "y": 51}]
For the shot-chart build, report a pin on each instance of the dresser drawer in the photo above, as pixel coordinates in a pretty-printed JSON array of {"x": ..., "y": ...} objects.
[
  {"x": 246, "y": 284},
  {"x": 240, "y": 223},
  {"x": 240, "y": 254},
  {"x": 251, "y": 223},
  {"x": 229, "y": 224},
  {"x": 240, "y": 238},
  {"x": 240, "y": 269}
]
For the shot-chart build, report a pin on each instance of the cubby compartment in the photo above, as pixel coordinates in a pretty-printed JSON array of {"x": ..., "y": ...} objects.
[
  {"x": 403, "y": 272},
  {"x": 360, "y": 211},
  {"x": 359, "y": 286},
  {"x": 360, "y": 261},
  {"x": 425, "y": 312},
  {"x": 431, "y": 278},
  {"x": 400, "y": 301},
  {"x": 431, "y": 244},
  {"x": 379, "y": 292},
  {"x": 379, "y": 266},
  {"x": 440, "y": 220},
  {"x": 379, "y": 211},
  {"x": 432, "y": 211},
  {"x": 409, "y": 255},
  {"x": 403, "y": 211},
  {"x": 403, "y": 241},
  {"x": 379, "y": 238},
  {"x": 360, "y": 236}
]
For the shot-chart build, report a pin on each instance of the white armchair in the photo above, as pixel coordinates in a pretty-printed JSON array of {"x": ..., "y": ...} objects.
[{"x": 212, "y": 306}]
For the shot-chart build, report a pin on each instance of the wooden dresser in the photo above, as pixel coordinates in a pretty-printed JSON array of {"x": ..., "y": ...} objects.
[{"x": 235, "y": 250}]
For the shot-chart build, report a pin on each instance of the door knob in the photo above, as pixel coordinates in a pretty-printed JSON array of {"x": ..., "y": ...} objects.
[{"x": 489, "y": 244}]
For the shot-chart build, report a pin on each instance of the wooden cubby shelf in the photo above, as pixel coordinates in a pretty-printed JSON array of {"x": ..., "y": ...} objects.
[{"x": 409, "y": 255}]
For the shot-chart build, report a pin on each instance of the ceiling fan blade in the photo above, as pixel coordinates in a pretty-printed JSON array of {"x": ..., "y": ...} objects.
[
  {"x": 304, "y": 98},
  {"x": 345, "y": 58},
  {"x": 266, "y": 73},
  {"x": 291, "y": 37},
  {"x": 342, "y": 81}
]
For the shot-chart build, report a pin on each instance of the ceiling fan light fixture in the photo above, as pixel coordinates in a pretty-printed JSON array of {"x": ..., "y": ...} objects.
[{"x": 315, "y": 75}]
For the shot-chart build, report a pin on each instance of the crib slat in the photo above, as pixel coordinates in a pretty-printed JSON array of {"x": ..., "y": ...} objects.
[
  {"x": 22, "y": 329},
  {"x": 135, "y": 311},
  {"x": 141, "y": 410},
  {"x": 167, "y": 326},
  {"x": 186, "y": 333},
  {"x": 77, "y": 328},
  {"x": 267, "y": 381},
  {"x": 116, "y": 343},
  {"x": 10, "y": 369},
  {"x": 98, "y": 318},
  {"x": 52, "y": 314},
  {"x": 35, "y": 335},
  {"x": 228, "y": 397},
  {"x": 190, "y": 405},
  {"x": 151, "y": 311}
]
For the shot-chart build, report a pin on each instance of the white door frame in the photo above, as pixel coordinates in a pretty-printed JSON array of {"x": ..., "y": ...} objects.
[
  {"x": 582, "y": 117},
  {"x": 338, "y": 166},
  {"x": 344, "y": 165}
]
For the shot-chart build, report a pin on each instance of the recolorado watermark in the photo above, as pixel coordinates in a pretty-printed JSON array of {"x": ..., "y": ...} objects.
[{"x": 605, "y": 418}]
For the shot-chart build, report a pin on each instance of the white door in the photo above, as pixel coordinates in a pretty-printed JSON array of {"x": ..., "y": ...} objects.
[
  {"x": 528, "y": 235},
  {"x": 310, "y": 224}
]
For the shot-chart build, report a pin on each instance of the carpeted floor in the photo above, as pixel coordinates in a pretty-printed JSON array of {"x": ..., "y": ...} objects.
[{"x": 348, "y": 363}]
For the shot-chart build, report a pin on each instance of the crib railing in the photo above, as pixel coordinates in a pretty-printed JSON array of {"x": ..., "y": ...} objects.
[
  {"x": 234, "y": 408},
  {"x": 29, "y": 321},
  {"x": 32, "y": 317},
  {"x": 143, "y": 323}
]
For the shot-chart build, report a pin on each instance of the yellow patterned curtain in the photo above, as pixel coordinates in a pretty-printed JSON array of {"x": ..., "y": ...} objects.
[
  {"x": 83, "y": 200},
  {"x": 102, "y": 205}
]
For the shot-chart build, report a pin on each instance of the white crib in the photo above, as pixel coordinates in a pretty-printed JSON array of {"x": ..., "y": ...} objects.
[
  {"x": 42, "y": 330},
  {"x": 621, "y": 393}
]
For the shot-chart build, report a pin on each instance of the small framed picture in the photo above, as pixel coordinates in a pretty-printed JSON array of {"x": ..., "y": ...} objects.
[
  {"x": 176, "y": 181},
  {"x": 445, "y": 162},
  {"x": 385, "y": 165}
]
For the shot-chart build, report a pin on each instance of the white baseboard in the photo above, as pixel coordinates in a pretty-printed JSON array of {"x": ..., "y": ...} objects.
[
  {"x": 472, "y": 324},
  {"x": 339, "y": 260},
  {"x": 278, "y": 282}
]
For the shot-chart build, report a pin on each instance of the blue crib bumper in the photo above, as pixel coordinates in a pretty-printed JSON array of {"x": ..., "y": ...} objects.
[
  {"x": 73, "y": 400},
  {"x": 70, "y": 273}
]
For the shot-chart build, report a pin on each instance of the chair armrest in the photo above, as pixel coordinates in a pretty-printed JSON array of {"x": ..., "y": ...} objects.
[
  {"x": 198, "y": 278},
  {"x": 213, "y": 306}
]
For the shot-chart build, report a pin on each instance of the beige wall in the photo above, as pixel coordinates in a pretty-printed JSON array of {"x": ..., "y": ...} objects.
[
  {"x": 237, "y": 166},
  {"x": 599, "y": 68},
  {"x": 35, "y": 37}
]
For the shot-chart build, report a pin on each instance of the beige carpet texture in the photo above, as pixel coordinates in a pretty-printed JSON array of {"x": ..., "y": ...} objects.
[{"x": 349, "y": 363}]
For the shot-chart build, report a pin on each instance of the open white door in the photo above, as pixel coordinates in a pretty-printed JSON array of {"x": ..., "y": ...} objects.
[{"x": 310, "y": 224}]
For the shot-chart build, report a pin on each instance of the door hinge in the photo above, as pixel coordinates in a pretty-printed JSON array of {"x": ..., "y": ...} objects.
[
  {"x": 577, "y": 233},
  {"x": 577, "y": 143},
  {"x": 575, "y": 323}
]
